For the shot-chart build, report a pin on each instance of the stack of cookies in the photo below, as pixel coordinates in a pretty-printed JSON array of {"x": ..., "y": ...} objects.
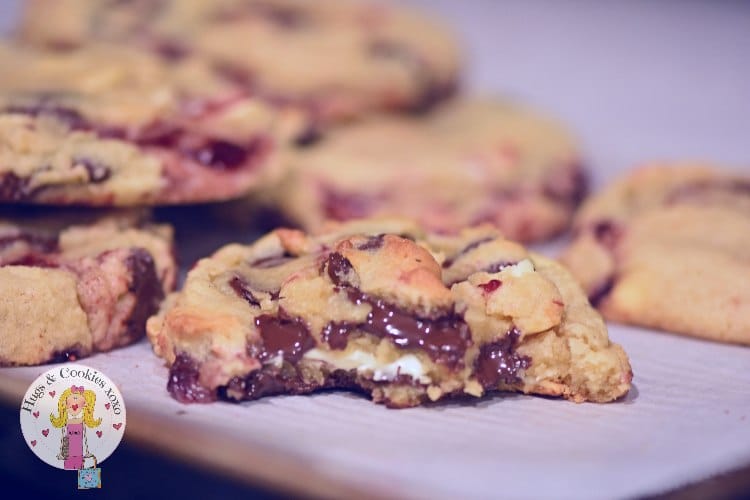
[{"x": 402, "y": 278}]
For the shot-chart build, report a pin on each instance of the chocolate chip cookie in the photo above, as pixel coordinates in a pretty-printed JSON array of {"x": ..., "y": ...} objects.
[
  {"x": 383, "y": 307},
  {"x": 338, "y": 57},
  {"x": 88, "y": 287},
  {"x": 668, "y": 247},
  {"x": 469, "y": 162},
  {"x": 108, "y": 125}
]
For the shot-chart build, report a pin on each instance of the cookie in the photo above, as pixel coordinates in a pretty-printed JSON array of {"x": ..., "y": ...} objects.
[
  {"x": 667, "y": 247},
  {"x": 339, "y": 57},
  {"x": 472, "y": 161},
  {"x": 71, "y": 286},
  {"x": 108, "y": 125},
  {"x": 382, "y": 307}
]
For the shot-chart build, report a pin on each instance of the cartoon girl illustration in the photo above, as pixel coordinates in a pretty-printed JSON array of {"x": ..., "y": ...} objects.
[{"x": 75, "y": 412}]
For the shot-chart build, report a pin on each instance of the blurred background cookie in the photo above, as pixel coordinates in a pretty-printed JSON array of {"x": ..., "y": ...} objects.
[
  {"x": 112, "y": 125},
  {"x": 468, "y": 162},
  {"x": 339, "y": 58},
  {"x": 668, "y": 247},
  {"x": 77, "y": 283}
]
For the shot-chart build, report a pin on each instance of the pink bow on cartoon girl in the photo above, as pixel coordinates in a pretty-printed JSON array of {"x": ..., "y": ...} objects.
[{"x": 74, "y": 389}]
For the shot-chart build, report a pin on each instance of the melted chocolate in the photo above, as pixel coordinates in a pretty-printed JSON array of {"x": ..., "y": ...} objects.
[
  {"x": 241, "y": 288},
  {"x": 146, "y": 288},
  {"x": 336, "y": 334},
  {"x": 282, "y": 335},
  {"x": 498, "y": 363},
  {"x": 184, "y": 383},
  {"x": 444, "y": 339}
]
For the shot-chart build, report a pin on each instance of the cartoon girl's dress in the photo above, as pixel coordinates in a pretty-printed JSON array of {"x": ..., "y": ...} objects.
[{"x": 75, "y": 447}]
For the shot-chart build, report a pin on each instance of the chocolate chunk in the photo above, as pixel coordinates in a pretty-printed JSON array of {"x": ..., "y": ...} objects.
[
  {"x": 47, "y": 107},
  {"x": 221, "y": 154},
  {"x": 171, "y": 50},
  {"x": 71, "y": 354},
  {"x": 498, "y": 266},
  {"x": 339, "y": 268},
  {"x": 98, "y": 172},
  {"x": 256, "y": 385},
  {"x": 373, "y": 243},
  {"x": 283, "y": 17},
  {"x": 241, "y": 288},
  {"x": 282, "y": 335},
  {"x": 34, "y": 259},
  {"x": 184, "y": 383},
  {"x": 41, "y": 243},
  {"x": 608, "y": 233},
  {"x": 705, "y": 189},
  {"x": 341, "y": 206},
  {"x": 568, "y": 186},
  {"x": 13, "y": 188},
  {"x": 432, "y": 92},
  {"x": 601, "y": 292},
  {"x": 146, "y": 288},
  {"x": 499, "y": 363},
  {"x": 273, "y": 261},
  {"x": 468, "y": 248},
  {"x": 309, "y": 136}
]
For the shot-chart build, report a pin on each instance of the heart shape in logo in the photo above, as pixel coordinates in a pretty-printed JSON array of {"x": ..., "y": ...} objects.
[
  {"x": 36, "y": 414},
  {"x": 45, "y": 432},
  {"x": 107, "y": 405},
  {"x": 99, "y": 433},
  {"x": 117, "y": 426},
  {"x": 33, "y": 442},
  {"x": 75, "y": 407},
  {"x": 52, "y": 394}
]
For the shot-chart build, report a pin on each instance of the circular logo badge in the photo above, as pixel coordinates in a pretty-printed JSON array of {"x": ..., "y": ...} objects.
[{"x": 73, "y": 417}]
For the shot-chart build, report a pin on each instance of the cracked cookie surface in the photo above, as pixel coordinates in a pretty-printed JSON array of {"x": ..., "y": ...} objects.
[
  {"x": 72, "y": 286},
  {"x": 107, "y": 125},
  {"x": 667, "y": 247},
  {"x": 383, "y": 307},
  {"x": 468, "y": 162},
  {"x": 338, "y": 57}
]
